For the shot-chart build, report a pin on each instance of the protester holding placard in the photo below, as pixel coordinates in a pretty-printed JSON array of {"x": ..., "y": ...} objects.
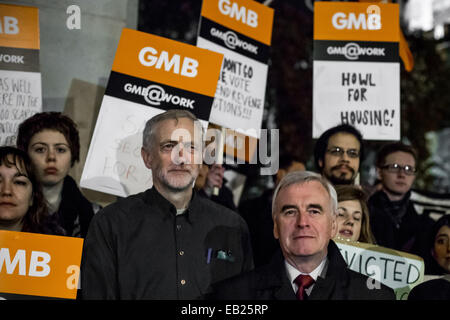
[
  {"x": 166, "y": 242},
  {"x": 310, "y": 265},
  {"x": 52, "y": 141},
  {"x": 338, "y": 153},
  {"x": 22, "y": 204},
  {"x": 353, "y": 215},
  {"x": 395, "y": 223}
]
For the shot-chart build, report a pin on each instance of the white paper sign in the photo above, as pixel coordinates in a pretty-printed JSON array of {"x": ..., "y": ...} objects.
[
  {"x": 364, "y": 94},
  {"x": 398, "y": 270}
]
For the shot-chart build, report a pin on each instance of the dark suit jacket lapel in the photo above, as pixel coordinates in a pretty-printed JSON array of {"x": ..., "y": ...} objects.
[
  {"x": 273, "y": 282},
  {"x": 336, "y": 277}
]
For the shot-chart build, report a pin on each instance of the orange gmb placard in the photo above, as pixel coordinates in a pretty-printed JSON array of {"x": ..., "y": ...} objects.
[
  {"x": 19, "y": 27},
  {"x": 169, "y": 62},
  {"x": 40, "y": 265},
  {"x": 356, "y": 21},
  {"x": 250, "y": 18}
]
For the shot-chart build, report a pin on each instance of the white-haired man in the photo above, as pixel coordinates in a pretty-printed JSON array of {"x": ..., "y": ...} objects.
[{"x": 310, "y": 265}]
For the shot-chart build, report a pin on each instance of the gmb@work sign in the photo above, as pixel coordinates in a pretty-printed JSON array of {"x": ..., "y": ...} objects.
[{"x": 356, "y": 72}]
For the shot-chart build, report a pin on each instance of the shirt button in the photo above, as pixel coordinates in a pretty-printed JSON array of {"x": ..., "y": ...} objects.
[
  {"x": 181, "y": 252},
  {"x": 178, "y": 227},
  {"x": 183, "y": 282}
]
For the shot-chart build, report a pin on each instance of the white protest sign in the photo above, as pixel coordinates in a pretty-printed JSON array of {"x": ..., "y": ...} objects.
[
  {"x": 242, "y": 31},
  {"x": 356, "y": 72},
  {"x": 20, "y": 79},
  {"x": 398, "y": 270},
  {"x": 149, "y": 75}
]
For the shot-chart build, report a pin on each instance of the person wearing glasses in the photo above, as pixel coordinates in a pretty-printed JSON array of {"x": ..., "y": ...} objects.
[
  {"x": 338, "y": 153},
  {"x": 395, "y": 223}
]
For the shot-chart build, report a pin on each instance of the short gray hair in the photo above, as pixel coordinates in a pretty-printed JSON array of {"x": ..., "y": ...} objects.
[
  {"x": 149, "y": 130},
  {"x": 300, "y": 177}
]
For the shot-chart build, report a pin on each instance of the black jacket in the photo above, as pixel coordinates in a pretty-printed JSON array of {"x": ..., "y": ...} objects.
[
  {"x": 138, "y": 248},
  {"x": 437, "y": 289},
  {"x": 271, "y": 282},
  {"x": 398, "y": 226}
]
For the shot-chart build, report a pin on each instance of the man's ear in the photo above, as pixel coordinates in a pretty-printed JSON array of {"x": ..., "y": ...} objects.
[
  {"x": 146, "y": 156},
  {"x": 379, "y": 174},
  {"x": 276, "y": 235}
]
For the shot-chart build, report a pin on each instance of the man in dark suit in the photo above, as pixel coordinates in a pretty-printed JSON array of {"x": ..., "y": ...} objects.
[{"x": 309, "y": 265}]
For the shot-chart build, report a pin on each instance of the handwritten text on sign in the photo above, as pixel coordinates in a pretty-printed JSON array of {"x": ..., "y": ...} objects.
[{"x": 20, "y": 98}]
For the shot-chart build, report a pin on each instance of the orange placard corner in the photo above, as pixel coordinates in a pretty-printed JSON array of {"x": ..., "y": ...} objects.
[
  {"x": 39, "y": 265},
  {"x": 19, "y": 26}
]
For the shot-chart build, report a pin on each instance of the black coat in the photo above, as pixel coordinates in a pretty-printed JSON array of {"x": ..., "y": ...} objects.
[
  {"x": 437, "y": 289},
  {"x": 407, "y": 233},
  {"x": 271, "y": 282},
  {"x": 257, "y": 213},
  {"x": 139, "y": 248},
  {"x": 75, "y": 212}
]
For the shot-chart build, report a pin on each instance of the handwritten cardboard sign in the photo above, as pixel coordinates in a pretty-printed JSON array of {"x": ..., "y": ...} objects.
[
  {"x": 39, "y": 265},
  {"x": 398, "y": 270},
  {"x": 20, "y": 79},
  {"x": 242, "y": 31},
  {"x": 150, "y": 75},
  {"x": 356, "y": 76}
]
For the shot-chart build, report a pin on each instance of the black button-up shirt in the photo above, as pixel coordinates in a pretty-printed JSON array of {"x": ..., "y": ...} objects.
[{"x": 138, "y": 248}]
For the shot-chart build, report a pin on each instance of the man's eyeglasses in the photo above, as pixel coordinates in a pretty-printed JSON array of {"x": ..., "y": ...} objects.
[
  {"x": 339, "y": 152},
  {"x": 396, "y": 168}
]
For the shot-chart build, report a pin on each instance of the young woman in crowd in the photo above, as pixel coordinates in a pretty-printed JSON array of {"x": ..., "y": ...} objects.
[
  {"x": 353, "y": 214},
  {"x": 22, "y": 204},
  {"x": 52, "y": 142}
]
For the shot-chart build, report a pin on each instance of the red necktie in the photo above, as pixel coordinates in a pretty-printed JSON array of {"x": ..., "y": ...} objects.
[{"x": 303, "y": 281}]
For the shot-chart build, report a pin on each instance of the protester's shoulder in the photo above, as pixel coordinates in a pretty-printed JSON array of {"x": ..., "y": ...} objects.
[
  {"x": 375, "y": 197},
  {"x": 218, "y": 212},
  {"x": 436, "y": 289},
  {"x": 366, "y": 288},
  {"x": 238, "y": 287}
]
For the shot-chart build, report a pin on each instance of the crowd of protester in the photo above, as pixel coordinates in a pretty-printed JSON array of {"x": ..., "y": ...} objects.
[{"x": 180, "y": 240}]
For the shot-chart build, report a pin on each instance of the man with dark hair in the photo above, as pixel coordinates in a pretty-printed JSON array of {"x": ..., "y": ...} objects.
[
  {"x": 338, "y": 153},
  {"x": 395, "y": 223},
  {"x": 167, "y": 242}
]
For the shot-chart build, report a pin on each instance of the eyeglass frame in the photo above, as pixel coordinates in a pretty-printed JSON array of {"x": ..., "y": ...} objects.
[
  {"x": 341, "y": 152},
  {"x": 392, "y": 169}
]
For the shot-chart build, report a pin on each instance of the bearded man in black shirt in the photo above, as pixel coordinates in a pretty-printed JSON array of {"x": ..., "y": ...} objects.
[{"x": 166, "y": 242}]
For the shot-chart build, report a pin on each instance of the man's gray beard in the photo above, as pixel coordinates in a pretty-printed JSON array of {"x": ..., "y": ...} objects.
[{"x": 176, "y": 189}]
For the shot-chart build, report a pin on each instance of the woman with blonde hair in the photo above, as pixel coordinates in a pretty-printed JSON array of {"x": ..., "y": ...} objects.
[{"x": 353, "y": 214}]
